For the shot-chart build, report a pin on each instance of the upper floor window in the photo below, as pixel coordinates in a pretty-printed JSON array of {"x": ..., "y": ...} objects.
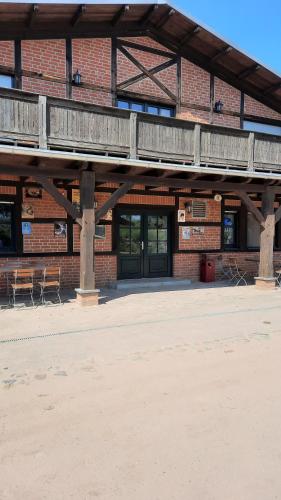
[
  {"x": 146, "y": 107},
  {"x": 6, "y": 81},
  {"x": 262, "y": 127}
]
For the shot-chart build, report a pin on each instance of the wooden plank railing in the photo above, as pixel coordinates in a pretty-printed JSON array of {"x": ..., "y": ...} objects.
[{"x": 64, "y": 124}]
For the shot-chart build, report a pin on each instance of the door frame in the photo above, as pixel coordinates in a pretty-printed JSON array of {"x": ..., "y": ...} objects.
[{"x": 168, "y": 210}]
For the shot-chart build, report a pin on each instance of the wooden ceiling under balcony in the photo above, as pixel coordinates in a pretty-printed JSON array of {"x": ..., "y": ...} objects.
[{"x": 172, "y": 29}]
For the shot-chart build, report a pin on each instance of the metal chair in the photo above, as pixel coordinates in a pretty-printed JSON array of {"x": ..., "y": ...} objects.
[
  {"x": 50, "y": 283},
  {"x": 237, "y": 275},
  {"x": 223, "y": 269},
  {"x": 23, "y": 284}
]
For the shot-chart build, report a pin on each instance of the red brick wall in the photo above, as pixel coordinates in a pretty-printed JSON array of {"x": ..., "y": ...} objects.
[{"x": 7, "y": 54}]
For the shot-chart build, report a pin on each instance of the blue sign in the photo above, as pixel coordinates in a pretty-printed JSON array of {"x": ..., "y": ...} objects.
[
  {"x": 228, "y": 222},
  {"x": 26, "y": 228}
]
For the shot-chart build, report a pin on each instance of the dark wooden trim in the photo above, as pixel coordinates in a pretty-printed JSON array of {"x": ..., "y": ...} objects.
[
  {"x": 200, "y": 223},
  {"x": 190, "y": 35},
  {"x": 68, "y": 67},
  {"x": 242, "y": 109},
  {"x": 147, "y": 16},
  {"x": 18, "y": 64},
  {"x": 212, "y": 96},
  {"x": 145, "y": 48},
  {"x": 179, "y": 85},
  {"x": 165, "y": 18},
  {"x": 140, "y": 77},
  {"x": 114, "y": 70},
  {"x": 78, "y": 15},
  {"x": 33, "y": 13},
  {"x": 221, "y": 53},
  {"x": 147, "y": 72},
  {"x": 120, "y": 14}
]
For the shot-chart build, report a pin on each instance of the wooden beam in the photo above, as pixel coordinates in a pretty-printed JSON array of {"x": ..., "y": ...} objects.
[
  {"x": 147, "y": 73},
  {"x": 251, "y": 207},
  {"x": 181, "y": 183},
  {"x": 78, "y": 15},
  {"x": 114, "y": 70},
  {"x": 267, "y": 236},
  {"x": 140, "y": 77},
  {"x": 248, "y": 71},
  {"x": 272, "y": 88},
  {"x": 33, "y": 13},
  {"x": 165, "y": 18},
  {"x": 278, "y": 214},
  {"x": 144, "y": 48},
  {"x": 42, "y": 118},
  {"x": 58, "y": 197},
  {"x": 189, "y": 35},
  {"x": 87, "y": 233},
  {"x": 68, "y": 68},
  {"x": 18, "y": 64},
  {"x": 148, "y": 15},
  {"x": 120, "y": 14},
  {"x": 221, "y": 53},
  {"x": 111, "y": 202}
]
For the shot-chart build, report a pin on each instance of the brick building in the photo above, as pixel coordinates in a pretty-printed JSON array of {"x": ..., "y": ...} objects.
[{"x": 161, "y": 74}]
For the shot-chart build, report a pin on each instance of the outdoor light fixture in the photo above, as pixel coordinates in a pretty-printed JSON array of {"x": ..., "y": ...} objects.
[
  {"x": 218, "y": 106},
  {"x": 77, "y": 78},
  {"x": 188, "y": 206}
]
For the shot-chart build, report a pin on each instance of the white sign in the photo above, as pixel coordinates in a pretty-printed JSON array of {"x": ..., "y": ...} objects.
[{"x": 185, "y": 233}]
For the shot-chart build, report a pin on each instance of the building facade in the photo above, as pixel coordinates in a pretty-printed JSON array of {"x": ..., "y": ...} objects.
[{"x": 152, "y": 231}]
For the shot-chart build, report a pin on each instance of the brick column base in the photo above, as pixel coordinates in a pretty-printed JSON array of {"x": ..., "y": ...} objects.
[
  {"x": 265, "y": 283},
  {"x": 87, "y": 297}
]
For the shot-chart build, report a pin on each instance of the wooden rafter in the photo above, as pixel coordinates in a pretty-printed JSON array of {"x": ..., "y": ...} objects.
[
  {"x": 120, "y": 14},
  {"x": 58, "y": 197},
  {"x": 81, "y": 10},
  {"x": 141, "y": 76},
  {"x": 145, "y": 48},
  {"x": 111, "y": 202},
  {"x": 147, "y": 73},
  {"x": 248, "y": 71},
  {"x": 34, "y": 10},
  {"x": 148, "y": 15},
  {"x": 165, "y": 18},
  {"x": 221, "y": 53},
  {"x": 191, "y": 34},
  {"x": 272, "y": 88}
]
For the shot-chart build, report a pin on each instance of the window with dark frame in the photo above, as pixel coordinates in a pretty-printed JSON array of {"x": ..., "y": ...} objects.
[
  {"x": 230, "y": 229},
  {"x": 7, "y": 227},
  {"x": 6, "y": 81},
  {"x": 265, "y": 128},
  {"x": 146, "y": 107}
]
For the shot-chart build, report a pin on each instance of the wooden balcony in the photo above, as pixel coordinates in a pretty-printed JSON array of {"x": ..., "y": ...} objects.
[{"x": 49, "y": 123}]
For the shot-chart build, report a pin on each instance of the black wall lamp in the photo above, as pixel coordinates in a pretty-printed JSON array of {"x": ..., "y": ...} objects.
[
  {"x": 188, "y": 206},
  {"x": 77, "y": 78},
  {"x": 218, "y": 106}
]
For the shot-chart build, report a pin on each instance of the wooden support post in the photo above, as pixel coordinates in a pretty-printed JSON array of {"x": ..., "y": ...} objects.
[
  {"x": 133, "y": 135},
  {"x": 69, "y": 70},
  {"x": 18, "y": 64},
  {"x": 266, "y": 274},
  {"x": 197, "y": 144},
  {"x": 42, "y": 118},
  {"x": 87, "y": 293}
]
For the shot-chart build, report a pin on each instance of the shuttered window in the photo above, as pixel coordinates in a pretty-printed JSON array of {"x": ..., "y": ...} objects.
[{"x": 199, "y": 209}]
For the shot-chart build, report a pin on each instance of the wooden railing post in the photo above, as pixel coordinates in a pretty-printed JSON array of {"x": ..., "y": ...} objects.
[
  {"x": 251, "y": 147},
  {"x": 197, "y": 144},
  {"x": 133, "y": 135},
  {"x": 42, "y": 118}
]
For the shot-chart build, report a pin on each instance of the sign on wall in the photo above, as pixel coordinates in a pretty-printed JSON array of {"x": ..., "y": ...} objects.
[
  {"x": 60, "y": 229},
  {"x": 181, "y": 215},
  {"x": 197, "y": 230},
  {"x": 27, "y": 211},
  {"x": 26, "y": 228},
  {"x": 185, "y": 233}
]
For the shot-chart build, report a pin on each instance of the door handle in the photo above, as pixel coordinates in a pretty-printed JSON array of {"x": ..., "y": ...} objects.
[{"x": 142, "y": 245}]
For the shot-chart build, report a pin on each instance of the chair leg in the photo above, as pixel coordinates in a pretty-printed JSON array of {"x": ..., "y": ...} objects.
[
  {"x": 31, "y": 296},
  {"x": 58, "y": 294}
]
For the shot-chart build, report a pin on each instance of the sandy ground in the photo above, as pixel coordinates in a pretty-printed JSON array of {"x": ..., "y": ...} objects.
[{"x": 169, "y": 395}]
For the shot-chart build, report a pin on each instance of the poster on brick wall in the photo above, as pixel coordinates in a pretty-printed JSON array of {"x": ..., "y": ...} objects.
[
  {"x": 33, "y": 192},
  {"x": 60, "y": 229},
  {"x": 181, "y": 215},
  {"x": 185, "y": 233},
  {"x": 75, "y": 196},
  {"x": 26, "y": 228},
  {"x": 197, "y": 230},
  {"x": 27, "y": 211}
]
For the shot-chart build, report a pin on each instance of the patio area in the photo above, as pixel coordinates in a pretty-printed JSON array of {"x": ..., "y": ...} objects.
[{"x": 153, "y": 394}]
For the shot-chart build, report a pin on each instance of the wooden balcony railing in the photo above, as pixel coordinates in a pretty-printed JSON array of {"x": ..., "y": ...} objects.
[{"x": 48, "y": 122}]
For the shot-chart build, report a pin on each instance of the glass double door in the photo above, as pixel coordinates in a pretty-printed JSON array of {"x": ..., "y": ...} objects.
[{"x": 143, "y": 244}]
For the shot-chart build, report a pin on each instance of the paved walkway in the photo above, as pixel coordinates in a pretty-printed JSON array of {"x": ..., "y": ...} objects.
[{"x": 159, "y": 395}]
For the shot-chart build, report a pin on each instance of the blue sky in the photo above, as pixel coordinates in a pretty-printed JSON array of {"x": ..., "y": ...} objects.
[{"x": 252, "y": 25}]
